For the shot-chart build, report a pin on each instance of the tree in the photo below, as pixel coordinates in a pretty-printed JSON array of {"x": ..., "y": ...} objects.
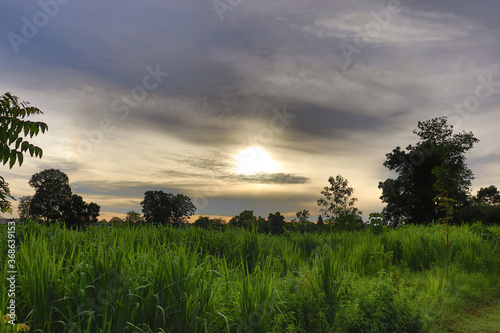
[
  {"x": 303, "y": 216},
  {"x": 76, "y": 212},
  {"x": 52, "y": 192},
  {"x": 93, "y": 210},
  {"x": 206, "y": 222},
  {"x": 115, "y": 221},
  {"x": 277, "y": 222},
  {"x": 245, "y": 220},
  {"x": 164, "y": 208},
  {"x": 488, "y": 196},
  {"x": 338, "y": 201},
  {"x": 435, "y": 164},
  {"x": 24, "y": 207},
  {"x": 320, "y": 221},
  {"x": 134, "y": 218},
  {"x": 182, "y": 209},
  {"x": 14, "y": 130}
]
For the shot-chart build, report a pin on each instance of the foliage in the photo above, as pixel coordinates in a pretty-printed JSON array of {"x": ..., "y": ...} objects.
[
  {"x": 23, "y": 208},
  {"x": 164, "y": 279},
  {"x": 488, "y": 196},
  {"x": 445, "y": 203},
  {"x": 5, "y": 206},
  {"x": 244, "y": 220},
  {"x": 7, "y": 327},
  {"x": 14, "y": 130},
  {"x": 376, "y": 222},
  {"x": 93, "y": 211},
  {"x": 277, "y": 223},
  {"x": 134, "y": 218},
  {"x": 487, "y": 214},
  {"x": 410, "y": 196},
  {"x": 302, "y": 216},
  {"x": 52, "y": 191},
  {"x": 115, "y": 221},
  {"x": 209, "y": 223},
  {"x": 77, "y": 213},
  {"x": 347, "y": 221},
  {"x": 165, "y": 208},
  {"x": 320, "y": 221},
  {"x": 482, "y": 231},
  {"x": 338, "y": 202},
  {"x": 376, "y": 307}
]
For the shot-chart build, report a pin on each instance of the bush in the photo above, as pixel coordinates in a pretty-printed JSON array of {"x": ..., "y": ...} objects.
[
  {"x": 482, "y": 231},
  {"x": 375, "y": 306},
  {"x": 487, "y": 214}
]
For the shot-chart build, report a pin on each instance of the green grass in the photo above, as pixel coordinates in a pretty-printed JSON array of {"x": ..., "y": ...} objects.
[
  {"x": 483, "y": 319},
  {"x": 193, "y": 280}
]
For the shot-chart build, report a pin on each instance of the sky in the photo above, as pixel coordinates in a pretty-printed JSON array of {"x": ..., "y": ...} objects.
[{"x": 246, "y": 104}]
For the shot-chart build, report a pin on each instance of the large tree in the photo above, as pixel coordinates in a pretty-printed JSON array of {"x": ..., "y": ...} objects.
[
  {"x": 52, "y": 192},
  {"x": 433, "y": 166},
  {"x": 14, "y": 129},
  {"x": 164, "y": 208}
]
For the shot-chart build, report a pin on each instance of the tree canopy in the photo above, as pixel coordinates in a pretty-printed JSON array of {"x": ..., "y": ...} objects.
[
  {"x": 52, "y": 191},
  {"x": 165, "y": 208},
  {"x": 338, "y": 200},
  {"x": 488, "y": 196},
  {"x": 434, "y": 165},
  {"x": 76, "y": 212}
]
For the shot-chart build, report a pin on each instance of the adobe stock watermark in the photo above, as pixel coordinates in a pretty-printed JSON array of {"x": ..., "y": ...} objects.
[
  {"x": 382, "y": 17},
  {"x": 279, "y": 121},
  {"x": 225, "y": 6},
  {"x": 11, "y": 275},
  {"x": 30, "y": 27},
  {"x": 120, "y": 107},
  {"x": 484, "y": 90}
]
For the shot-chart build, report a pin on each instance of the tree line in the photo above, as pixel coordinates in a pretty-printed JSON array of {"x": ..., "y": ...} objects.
[{"x": 429, "y": 175}]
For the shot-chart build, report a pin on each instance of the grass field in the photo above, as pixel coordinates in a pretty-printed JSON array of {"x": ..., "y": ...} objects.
[{"x": 167, "y": 279}]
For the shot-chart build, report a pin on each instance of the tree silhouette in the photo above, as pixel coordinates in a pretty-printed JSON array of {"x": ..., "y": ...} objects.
[
  {"x": 52, "y": 192},
  {"x": 165, "y": 208}
]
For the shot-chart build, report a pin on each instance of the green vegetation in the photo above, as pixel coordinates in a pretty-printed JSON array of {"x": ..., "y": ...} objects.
[
  {"x": 485, "y": 319},
  {"x": 167, "y": 279},
  {"x": 156, "y": 273},
  {"x": 14, "y": 129},
  {"x": 436, "y": 163}
]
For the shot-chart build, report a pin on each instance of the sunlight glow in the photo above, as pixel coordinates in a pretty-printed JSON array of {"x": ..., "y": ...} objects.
[{"x": 254, "y": 160}]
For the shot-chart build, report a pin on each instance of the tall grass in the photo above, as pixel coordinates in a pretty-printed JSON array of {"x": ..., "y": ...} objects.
[{"x": 165, "y": 279}]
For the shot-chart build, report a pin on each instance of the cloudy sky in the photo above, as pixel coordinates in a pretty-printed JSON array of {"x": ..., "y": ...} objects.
[{"x": 170, "y": 95}]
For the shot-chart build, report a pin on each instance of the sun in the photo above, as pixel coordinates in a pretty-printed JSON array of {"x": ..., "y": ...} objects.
[{"x": 254, "y": 160}]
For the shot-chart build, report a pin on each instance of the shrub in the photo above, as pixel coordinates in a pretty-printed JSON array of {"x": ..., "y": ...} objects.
[
  {"x": 485, "y": 213},
  {"x": 374, "y": 306}
]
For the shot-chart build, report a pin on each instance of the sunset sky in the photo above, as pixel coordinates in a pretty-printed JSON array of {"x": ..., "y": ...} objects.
[{"x": 170, "y": 95}]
